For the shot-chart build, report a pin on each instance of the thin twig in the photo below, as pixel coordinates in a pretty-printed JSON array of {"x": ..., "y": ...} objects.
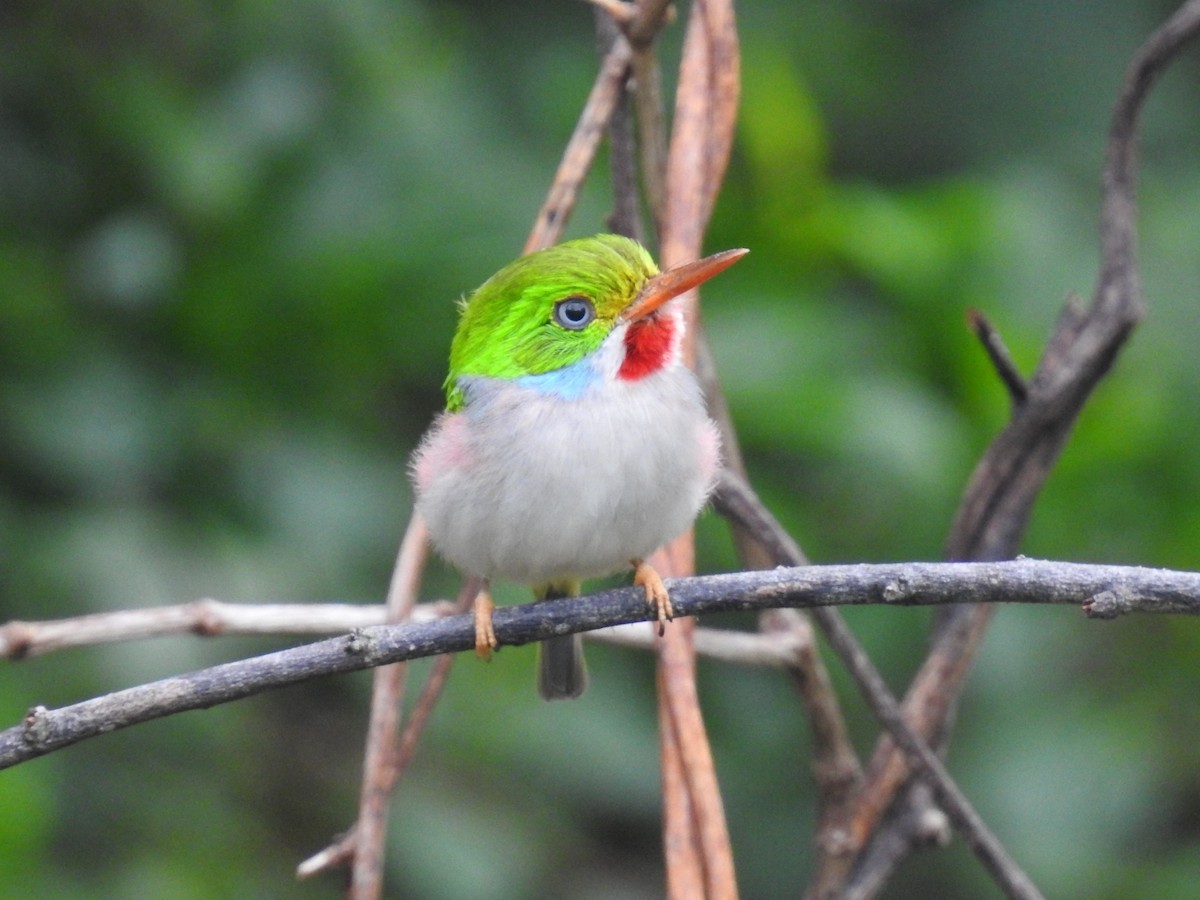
[
  {"x": 641, "y": 29},
  {"x": 835, "y": 767},
  {"x": 619, "y": 12},
  {"x": 647, "y": 21},
  {"x": 25, "y": 639},
  {"x": 648, "y": 110},
  {"x": 20, "y": 639},
  {"x": 763, "y": 543},
  {"x": 347, "y": 847},
  {"x": 752, "y": 553},
  {"x": 581, "y": 148},
  {"x": 387, "y": 694},
  {"x": 998, "y": 353},
  {"x": 431, "y": 692},
  {"x": 682, "y": 854},
  {"x": 736, "y": 500},
  {"x": 625, "y": 217}
]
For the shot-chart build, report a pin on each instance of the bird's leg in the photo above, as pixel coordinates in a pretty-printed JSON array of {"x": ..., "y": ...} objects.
[
  {"x": 656, "y": 592},
  {"x": 485, "y": 634}
]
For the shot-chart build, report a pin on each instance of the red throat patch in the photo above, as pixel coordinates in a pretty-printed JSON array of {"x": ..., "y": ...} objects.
[{"x": 648, "y": 344}]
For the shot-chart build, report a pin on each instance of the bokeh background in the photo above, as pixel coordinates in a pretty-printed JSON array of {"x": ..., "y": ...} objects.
[{"x": 231, "y": 238}]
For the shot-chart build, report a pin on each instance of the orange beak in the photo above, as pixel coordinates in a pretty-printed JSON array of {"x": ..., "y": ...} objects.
[{"x": 673, "y": 282}]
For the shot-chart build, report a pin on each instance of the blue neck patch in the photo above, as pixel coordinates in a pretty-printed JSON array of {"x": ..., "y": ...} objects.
[{"x": 570, "y": 382}]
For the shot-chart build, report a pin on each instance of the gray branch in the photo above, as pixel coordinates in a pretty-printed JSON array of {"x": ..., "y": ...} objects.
[{"x": 1102, "y": 591}]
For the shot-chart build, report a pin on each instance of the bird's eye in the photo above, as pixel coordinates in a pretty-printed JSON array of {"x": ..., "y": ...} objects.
[{"x": 574, "y": 313}]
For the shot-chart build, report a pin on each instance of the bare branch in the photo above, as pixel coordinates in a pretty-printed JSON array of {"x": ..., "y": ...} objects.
[
  {"x": 911, "y": 584},
  {"x": 223, "y": 618},
  {"x": 705, "y": 108},
  {"x": 836, "y": 767},
  {"x": 208, "y": 617},
  {"x": 387, "y": 694},
  {"x": 349, "y": 846},
  {"x": 845, "y": 780},
  {"x": 998, "y": 353},
  {"x": 1119, "y": 282},
  {"x": 1008, "y": 875},
  {"x": 1004, "y": 486},
  {"x": 641, "y": 24},
  {"x": 625, "y": 217},
  {"x": 737, "y": 501},
  {"x": 581, "y": 149}
]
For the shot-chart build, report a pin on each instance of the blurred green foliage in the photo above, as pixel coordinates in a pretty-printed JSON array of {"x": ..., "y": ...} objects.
[{"x": 231, "y": 236}]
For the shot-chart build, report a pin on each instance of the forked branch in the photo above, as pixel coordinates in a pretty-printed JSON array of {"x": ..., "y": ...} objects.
[{"x": 1000, "y": 495}]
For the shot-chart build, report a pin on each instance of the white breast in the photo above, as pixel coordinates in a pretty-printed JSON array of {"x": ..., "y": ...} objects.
[{"x": 534, "y": 487}]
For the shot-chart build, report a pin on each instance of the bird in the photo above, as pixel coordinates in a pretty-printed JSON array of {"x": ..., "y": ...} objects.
[{"x": 575, "y": 441}]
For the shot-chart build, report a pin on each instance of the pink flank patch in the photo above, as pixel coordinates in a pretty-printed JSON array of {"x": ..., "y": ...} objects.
[
  {"x": 446, "y": 447},
  {"x": 648, "y": 346}
]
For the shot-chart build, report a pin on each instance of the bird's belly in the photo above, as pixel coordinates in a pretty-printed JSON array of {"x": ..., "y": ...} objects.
[{"x": 535, "y": 488}]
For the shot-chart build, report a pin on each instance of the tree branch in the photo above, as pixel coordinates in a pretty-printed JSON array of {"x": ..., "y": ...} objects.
[
  {"x": 705, "y": 110},
  {"x": 23, "y": 639},
  {"x": 1007, "y": 481},
  {"x": 1102, "y": 591},
  {"x": 581, "y": 148},
  {"x": 843, "y": 777},
  {"x": 998, "y": 353},
  {"x": 387, "y": 694},
  {"x": 209, "y": 617}
]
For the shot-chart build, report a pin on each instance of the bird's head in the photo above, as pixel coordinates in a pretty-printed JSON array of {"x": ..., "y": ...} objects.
[{"x": 599, "y": 299}]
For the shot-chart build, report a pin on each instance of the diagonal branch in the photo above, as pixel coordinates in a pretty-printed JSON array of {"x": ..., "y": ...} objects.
[
  {"x": 581, "y": 148},
  {"x": 845, "y": 781},
  {"x": 1000, "y": 495},
  {"x": 763, "y": 541}
]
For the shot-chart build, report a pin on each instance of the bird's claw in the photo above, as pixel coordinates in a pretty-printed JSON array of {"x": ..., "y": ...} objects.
[
  {"x": 485, "y": 633},
  {"x": 656, "y": 593}
]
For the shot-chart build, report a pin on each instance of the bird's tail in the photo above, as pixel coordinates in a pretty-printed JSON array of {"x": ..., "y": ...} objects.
[{"x": 562, "y": 673}]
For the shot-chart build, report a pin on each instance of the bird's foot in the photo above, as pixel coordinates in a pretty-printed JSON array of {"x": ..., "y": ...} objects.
[
  {"x": 656, "y": 593},
  {"x": 485, "y": 634}
]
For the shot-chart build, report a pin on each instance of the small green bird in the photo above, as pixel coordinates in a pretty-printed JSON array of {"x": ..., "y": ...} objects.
[{"x": 575, "y": 441}]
